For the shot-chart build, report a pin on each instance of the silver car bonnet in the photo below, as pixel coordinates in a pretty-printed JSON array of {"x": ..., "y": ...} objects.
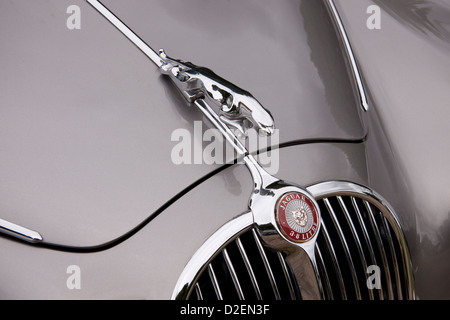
[
  {"x": 409, "y": 84},
  {"x": 86, "y": 119}
]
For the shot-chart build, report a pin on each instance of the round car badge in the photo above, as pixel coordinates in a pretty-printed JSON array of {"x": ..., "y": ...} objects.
[{"x": 297, "y": 216}]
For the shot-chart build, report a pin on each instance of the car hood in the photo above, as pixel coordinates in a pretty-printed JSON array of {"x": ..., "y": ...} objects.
[
  {"x": 409, "y": 86},
  {"x": 88, "y": 125}
]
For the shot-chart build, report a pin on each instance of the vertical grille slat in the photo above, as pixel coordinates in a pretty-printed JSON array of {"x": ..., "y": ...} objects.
[
  {"x": 232, "y": 272},
  {"x": 267, "y": 265},
  {"x": 253, "y": 272},
  {"x": 324, "y": 279},
  {"x": 249, "y": 268},
  {"x": 356, "y": 232},
  {"x": 215, "y": 283},
  {"x": 381, "y": 249},
  {"x": 198, "y": 292},
  {"x": 357, "y": 242},
  {"x": 345, "y": 247},
  {"x": 368, "y": 243},
  {"x": 361, "y": 230},
  {"x": 390, "y": 242},
  {"x": 334, "y": 261},
  {"x": 287, "y": 275}
]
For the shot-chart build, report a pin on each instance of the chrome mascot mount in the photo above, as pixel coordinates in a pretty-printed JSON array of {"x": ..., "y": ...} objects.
[{"x": 286, "y": 216}]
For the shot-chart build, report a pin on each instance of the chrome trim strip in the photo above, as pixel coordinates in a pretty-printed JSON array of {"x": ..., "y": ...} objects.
[
  {"x": 19, "y": 232},
  {"x": 348, "y": 49}
]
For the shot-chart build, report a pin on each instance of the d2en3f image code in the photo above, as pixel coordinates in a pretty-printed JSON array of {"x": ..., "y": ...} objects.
[{"x": 227, "y": 309}]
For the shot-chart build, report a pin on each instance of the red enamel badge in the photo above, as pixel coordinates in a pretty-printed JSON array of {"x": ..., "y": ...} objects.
[{"x": 297, "y": 216}]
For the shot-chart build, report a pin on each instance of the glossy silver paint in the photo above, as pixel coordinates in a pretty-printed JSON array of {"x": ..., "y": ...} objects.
[
  {"x": 82, "y": 164},
  {"x": 151, "y": 271},
  {"x": 350, "y": 55},
  {"x": 236, "y": 107},
  {"x": 79, "y": 145},
  {"x": 127, "y": 32},
  {"x": 406, "y": 69}
]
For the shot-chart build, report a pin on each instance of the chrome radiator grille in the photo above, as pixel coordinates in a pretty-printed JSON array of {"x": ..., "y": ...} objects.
[
  {"x": 360, "y": 242},
  {"x": 356, "y": 235},
  {"x": 246, "y": 269}
]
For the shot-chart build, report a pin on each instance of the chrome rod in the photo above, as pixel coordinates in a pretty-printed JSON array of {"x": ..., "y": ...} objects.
[
  {"x": 226, "y": 132},
  {"x": 348, "y": 48},
  {"x": 261, "y": 177},
  {"x": 127, "y": 32}
]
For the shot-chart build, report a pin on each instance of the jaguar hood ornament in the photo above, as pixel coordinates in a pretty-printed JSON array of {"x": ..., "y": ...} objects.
[
  {"x": 238, "y": 107},
  {"x": 286, "y": 215}
]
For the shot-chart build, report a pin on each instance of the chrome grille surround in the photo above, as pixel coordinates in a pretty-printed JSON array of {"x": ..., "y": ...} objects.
[{"x": 359, "y": 230}]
